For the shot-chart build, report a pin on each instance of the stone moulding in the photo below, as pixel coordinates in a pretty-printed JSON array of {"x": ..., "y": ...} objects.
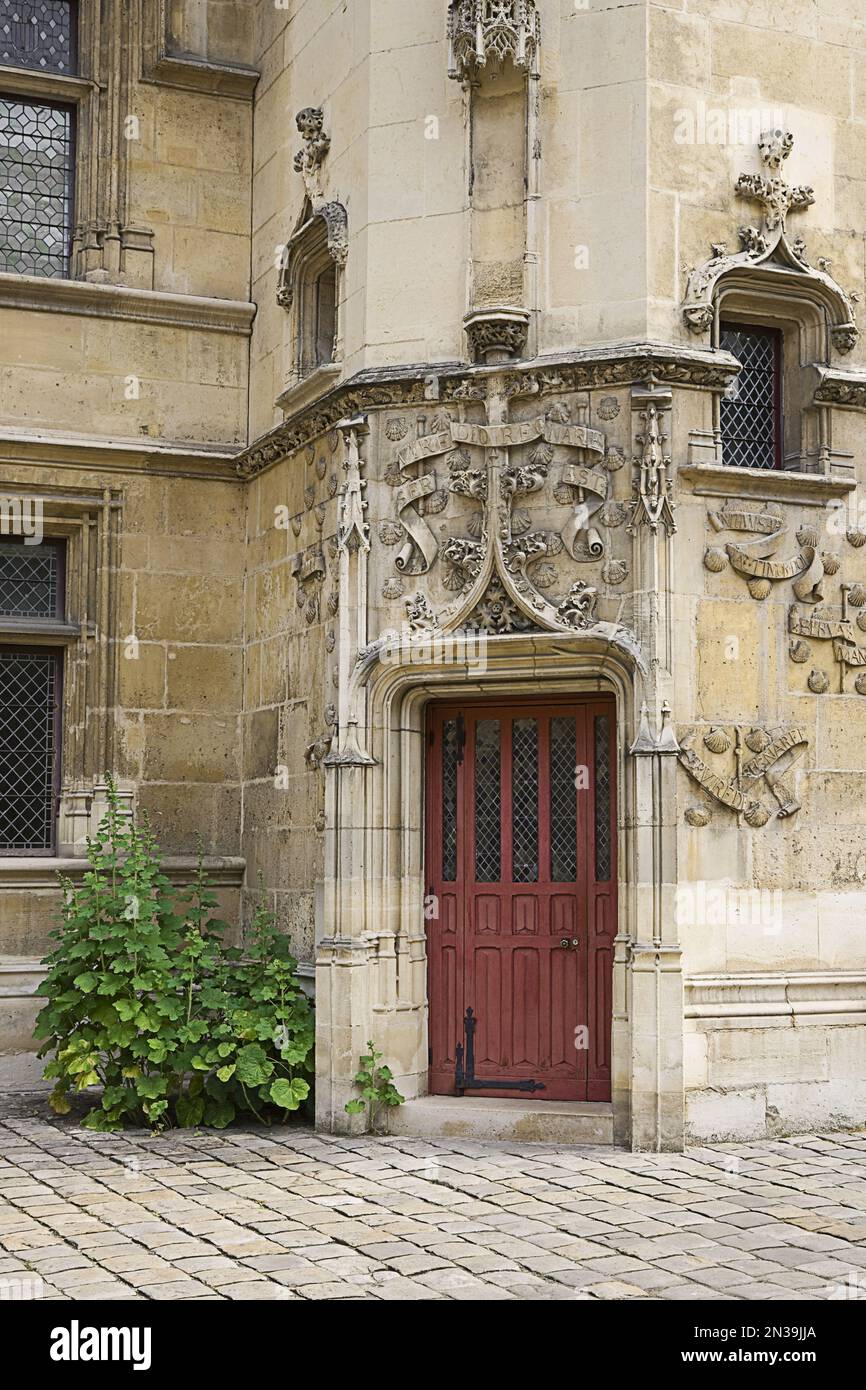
[
  {"x": 489, "y": 31},
  {"x": 768, "y": 251},
  {"x": 844, "y": 389},
  {"x": 34, "y": 292},
  {"x": 160, "y": 65},
  {"x": 429, "y": 383}
]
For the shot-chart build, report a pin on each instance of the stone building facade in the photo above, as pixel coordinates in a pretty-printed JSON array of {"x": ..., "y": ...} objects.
[{"x": 445, "y": 424}]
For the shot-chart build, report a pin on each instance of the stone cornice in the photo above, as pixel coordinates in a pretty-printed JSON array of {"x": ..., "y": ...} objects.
[
  {"x": 844, "y": 389},
  {"x": 159, "y": 458},
  {"x": 417, "y": 383},
  {"x": 224, "y": 871},
  {"x": 734, "y": 1000},
  {"x": 43, "y": 294},
  {"x": 807, "y": 489}
]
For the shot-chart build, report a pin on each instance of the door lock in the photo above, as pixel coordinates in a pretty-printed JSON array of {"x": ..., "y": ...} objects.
[{"x": 569, "y": 944}]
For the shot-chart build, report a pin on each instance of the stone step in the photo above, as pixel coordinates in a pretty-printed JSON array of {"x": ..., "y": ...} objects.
[{"x": 514, "y": 1121}]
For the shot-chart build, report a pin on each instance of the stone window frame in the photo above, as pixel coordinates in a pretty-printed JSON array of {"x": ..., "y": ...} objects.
[
  {"x": 105, "y": 246},
  {"x": 89, "y": 527},
  {"x": 793, "y": 309},
  {"x": 317, "y": 245}
]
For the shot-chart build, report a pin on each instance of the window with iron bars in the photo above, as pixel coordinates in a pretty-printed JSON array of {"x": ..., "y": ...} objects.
[
  {"x": 37, "y": 140},
  {"x": 751, "y": 410},
  {"x": 31, "y": 675}
]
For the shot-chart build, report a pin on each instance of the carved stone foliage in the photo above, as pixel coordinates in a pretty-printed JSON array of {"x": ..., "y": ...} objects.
[
  {"x": 497, "y": 335},
  {"x": 737, "y": 764},
  {"x": 504, "y": 552},
  {"x": 770, "y": 246},
  {"x": 489, "y": 31}
]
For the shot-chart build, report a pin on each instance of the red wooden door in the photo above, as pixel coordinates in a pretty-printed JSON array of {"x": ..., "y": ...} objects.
[{"x": 521, "y": 874}]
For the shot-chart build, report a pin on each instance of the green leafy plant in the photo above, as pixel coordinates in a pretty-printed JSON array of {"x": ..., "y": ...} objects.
[
  {"x": 145, "y": 1000},
  {"x": 377, "y": 1088}
]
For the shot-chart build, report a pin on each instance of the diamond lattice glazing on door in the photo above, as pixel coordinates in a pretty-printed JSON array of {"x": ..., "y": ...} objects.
[
  {"x": 524, "y": 794},
  {"x": 603, "y": 843},
  {"x": 449, "y": 800},
  {"x": 488, "y": 802},
  {"x": 748, "y": 416},
  {"x": 28, "y": 580},
  {"x": 35, "y": 187},
  {"x": 38, "y": 34},
  {"x": 563, "y": 803},
  {"x": 27, "y": 751}
]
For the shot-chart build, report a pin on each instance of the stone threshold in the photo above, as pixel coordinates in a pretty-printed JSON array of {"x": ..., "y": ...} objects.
[{"x": 512, "y": 1121}]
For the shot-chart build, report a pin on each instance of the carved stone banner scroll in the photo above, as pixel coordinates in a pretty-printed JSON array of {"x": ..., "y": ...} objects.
[
  {"x": 753, "y": 559},
  {"x": 733, "y": 784}
]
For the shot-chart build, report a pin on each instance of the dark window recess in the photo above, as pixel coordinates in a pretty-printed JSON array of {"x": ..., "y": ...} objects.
[
  {"x": 39, "y": 34},
  {"x": 31, "y": 580},
  {"x": 751, "y": 415},
  {"x": 603, "y": 837},
  {"x": 326, "y": 315},
  {"x": 29, "y": 740},
  {"x": 37, "y": 161}
]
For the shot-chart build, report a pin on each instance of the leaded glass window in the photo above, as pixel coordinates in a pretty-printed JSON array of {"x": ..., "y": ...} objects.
[
  {"x": 39, "y": 34},
  {"x": 751, "y": 409},
  {"x": 449, "y": 800},
  {"x": 30, "y": 581},
  {"x": 36, "y": 187},
  {"x": 563, "y": 800},
  {"x": 524, "y": 796},
  {"x": 488, "y": 802},
  {"x": 603, "y": 837},
  {"x": 29, "y": 693}
]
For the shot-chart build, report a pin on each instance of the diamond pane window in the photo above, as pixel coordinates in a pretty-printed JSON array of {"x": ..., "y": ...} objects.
[
  {"x": 29, "y": 696},
  {"x": 488, "y": 802},
  {"x": 449, "y": 800},
  {"x": 603, "y": 839},
  {"x": 751, "y": 413},
  {"x": 524, "y": 798},
  {"x": 36, "y": 187},
  {"x": 30, "y": 581},
  {"x": 563, "y": 800},
  {"x": 39, "y": 34}
]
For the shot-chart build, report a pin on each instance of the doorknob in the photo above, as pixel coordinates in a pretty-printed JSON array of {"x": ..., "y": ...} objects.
[{"x": 569, "y": 944}]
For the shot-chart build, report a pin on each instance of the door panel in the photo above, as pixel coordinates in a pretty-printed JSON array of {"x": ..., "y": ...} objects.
[{"x": 521, "y": 852}]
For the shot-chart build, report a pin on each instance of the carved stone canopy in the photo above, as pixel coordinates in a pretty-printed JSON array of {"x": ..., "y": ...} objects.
[
  {"x": 497, "y": 335},
  {"x": 770, "y": 248},
  {"x": 482, "y": 31}
]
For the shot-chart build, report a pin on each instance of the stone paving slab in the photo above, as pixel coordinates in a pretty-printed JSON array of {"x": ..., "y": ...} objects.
[{"x": 288, "y": 1214}]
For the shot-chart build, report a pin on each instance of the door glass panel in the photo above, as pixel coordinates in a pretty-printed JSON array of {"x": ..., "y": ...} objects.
[
  {"x": 524, "y": 795},
  {"x": 449, "y": 800},
  {"x": 563, "y": 800},
  {"x": 602, "y": 799},
  {"x": 488, "y": 799}
]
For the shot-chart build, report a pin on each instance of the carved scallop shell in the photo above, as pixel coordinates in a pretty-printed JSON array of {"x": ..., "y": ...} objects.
[
  {"x": 520, "y": 521},
  {"x": 831, "y": 563},
  {"x": 309, "y": 497},
  {"x": 321, "y": 468},
  {"x": 717, "y": 740},
  {"x": 715, "y": 559},
  {"x": 396, "y": 428},
  {"x": 333, "y": 440},
  {"x": 755, "y": 815},
  {"x": 296, "y": 525},
  {"x": 390, "y": 532},
  {"x": 856, "y": 538},
  {"x": 818, "y": 681},
  {"x": 860, "y": 685},
  {"x": 697, "y": 816},
  {"x": 861, "y": 621},
  {"x": 614, "y": 459},
  {"x": 614, "y": 572},
  {"x": 333, "y": 603},
  {"x": 436, "y": 502},
  {"x": 475, "y": 526},
  {"x": 807, "y": 535},
  {"x": 330, "y": 640},
  {"x": 799, "y": 651},
  {"x": 544, "y": 574},
  {"x": 857, "y": 596},
  {"x": 613, "y": 514},
  {"x": 393, "y": 477},
  {"x": 563, "y": 494},
  {"x": 332, "y": 485},
  {"x": 757, "y": 740},
  {"x": 608, "y": 408},
  {"x": 759, "y": 588},
  {"x": 392, "y": 588}
]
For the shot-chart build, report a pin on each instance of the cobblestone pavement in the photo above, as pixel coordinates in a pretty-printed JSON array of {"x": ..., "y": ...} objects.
[{"x": 288, "y": 1214}]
